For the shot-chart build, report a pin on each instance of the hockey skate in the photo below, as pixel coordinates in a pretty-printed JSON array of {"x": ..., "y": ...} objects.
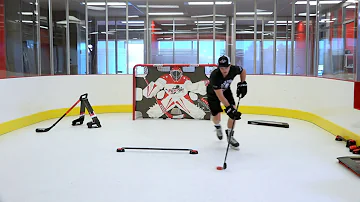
[
  {"x": 233, "y": 143},
  {"x": 219, "y": 133}
]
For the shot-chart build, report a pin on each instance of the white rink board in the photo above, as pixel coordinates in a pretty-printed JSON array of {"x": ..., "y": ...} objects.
[{"x": 26, "y": 96}]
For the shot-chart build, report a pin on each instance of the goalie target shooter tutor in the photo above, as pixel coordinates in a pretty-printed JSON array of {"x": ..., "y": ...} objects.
[{"x": 85, "y": 104}]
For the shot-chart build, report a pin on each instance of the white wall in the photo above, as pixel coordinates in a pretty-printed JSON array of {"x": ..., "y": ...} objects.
[
  {"x": 25, "y": 96},
  {"x": 294, "y": 92}
]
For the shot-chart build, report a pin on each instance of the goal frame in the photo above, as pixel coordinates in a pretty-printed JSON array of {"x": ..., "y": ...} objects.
[{"x": 155, "y": 66}]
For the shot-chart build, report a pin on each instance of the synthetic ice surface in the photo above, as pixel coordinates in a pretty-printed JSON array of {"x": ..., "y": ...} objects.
[{"x": 77, "y": 164}]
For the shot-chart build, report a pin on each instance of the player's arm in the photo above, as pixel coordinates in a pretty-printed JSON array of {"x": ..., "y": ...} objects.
[
  {"x": 242, "y": 85},
  {"x": 230, "y": 110},
  {"x": 219, "y": 93},
  {"x": 243, "y": 75}
]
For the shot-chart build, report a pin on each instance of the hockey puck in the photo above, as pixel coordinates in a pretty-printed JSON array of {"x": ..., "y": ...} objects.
[
  {"x": 193, "y": 151},
  {"x": 219, "y": 167}
]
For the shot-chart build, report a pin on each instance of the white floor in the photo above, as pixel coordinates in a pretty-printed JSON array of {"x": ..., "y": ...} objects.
[{"x": 76, "y": 164}]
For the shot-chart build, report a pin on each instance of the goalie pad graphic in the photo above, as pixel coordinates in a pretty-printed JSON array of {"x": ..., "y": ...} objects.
[{"x": 170, "y": 92}]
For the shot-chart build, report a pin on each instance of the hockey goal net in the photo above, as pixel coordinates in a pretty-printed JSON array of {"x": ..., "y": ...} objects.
[{"x": 175, "y": 91}]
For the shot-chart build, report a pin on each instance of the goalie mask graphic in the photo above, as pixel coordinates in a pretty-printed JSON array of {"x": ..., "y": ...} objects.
[
  {"x": 172, "y": 90},
  {"x": 176, "y": 73}
]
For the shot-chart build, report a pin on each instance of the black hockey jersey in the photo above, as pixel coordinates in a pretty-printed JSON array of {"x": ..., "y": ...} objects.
[{"x": 217, "y": 81}]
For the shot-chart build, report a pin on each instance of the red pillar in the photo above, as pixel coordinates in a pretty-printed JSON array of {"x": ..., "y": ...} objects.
[
  {"x": 2, "y": 41},
  {"x": 154, "y": 41},
  {"x": 300, "y": 49}
]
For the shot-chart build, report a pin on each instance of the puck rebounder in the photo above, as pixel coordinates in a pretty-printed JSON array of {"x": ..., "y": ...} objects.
[{"x": 191, "y": 151}]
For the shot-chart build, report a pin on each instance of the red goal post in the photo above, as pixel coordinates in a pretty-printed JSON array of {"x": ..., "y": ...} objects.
[{"x": 175, "y": 91}]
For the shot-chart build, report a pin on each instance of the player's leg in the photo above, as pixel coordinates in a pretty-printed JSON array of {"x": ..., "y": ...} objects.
[
  {"x": 231, "y": 123},
  {"x": 215, "y": 109}
]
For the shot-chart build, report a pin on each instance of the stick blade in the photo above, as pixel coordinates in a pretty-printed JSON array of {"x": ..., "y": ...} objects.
[{"x": 42, "y": 130}]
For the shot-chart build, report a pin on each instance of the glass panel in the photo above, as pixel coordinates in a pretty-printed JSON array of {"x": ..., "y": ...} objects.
[
  {"x": 162, "y": 44},
  {"x": 97, "y": 43},
  {"x": 59, "y": 38},
  {"x": 136, "y": 47},
  {"x": 220, "y": 38},
  {"x": 44, "y": 36},
  {"x": 265, "y": 11},
  {"x": 117, "y": 38},
  {"x": 350, "y": 40},
  {"x": 337, "y": 41},
  {"x": 13, "y": 25},
  {"x": 185, "y": 42},
  {"x": 283, "y": 47},
  {"x": 29, "y": 38},
  {"x": 77, "y": 30},
  {"x": 245, "y": 44}
]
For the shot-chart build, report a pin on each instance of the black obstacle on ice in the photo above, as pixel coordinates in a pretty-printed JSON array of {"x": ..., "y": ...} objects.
[
  {"x": 269, "y": 123},
  {"x": 352, "y": 163},
  {"x": 123, "y": 149}
]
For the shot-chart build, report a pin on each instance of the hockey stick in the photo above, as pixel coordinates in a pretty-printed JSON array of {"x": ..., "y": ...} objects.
[
  {"x": 232, "y": 128},
  {"x": 41, "y": 130},
  {"x": 163, "y": 109}
]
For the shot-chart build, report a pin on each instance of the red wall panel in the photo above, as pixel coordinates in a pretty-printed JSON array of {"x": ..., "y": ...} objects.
[
  {"x": 357, "y": 95},
  {"x": 2, "y": 41}
]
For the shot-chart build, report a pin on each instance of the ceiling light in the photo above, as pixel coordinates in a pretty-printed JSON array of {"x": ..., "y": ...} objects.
[
  {"x": 304, "y": 14},
  {"x": 131, "y": 22},
  {"x": 272, "y": 22},
  {"x": 26, "y": 13},
  {"x": 133, "y": 16},
  {"x": 223, "y": 2},
  {"x": 205, "y": 24},
  {"x": 103, "y": 4},
  {"x": 329, "y": 2},
  {"x": 204, "y": 16},
  {"x": 171, "y": 13},
  {"x": 198, "y": 28},
  {"x": 27, "y": 21},
  {"x": 253, "y": 13},
  {"x": 173, "y": 24},
  {"x": 210, "y": 3},
  {"x": 200, "y": 22},
  {"x": 158, "y": 6},
  {"x": 117, "y": 6},
  {"x": 313, "y": 3},
  {"x": 95, "y": 8}
]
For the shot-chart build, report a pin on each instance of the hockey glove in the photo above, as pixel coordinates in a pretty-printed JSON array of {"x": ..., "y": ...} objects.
[
  {"x": 241, "y": 89},
  {"x": 232, "y": 112}
]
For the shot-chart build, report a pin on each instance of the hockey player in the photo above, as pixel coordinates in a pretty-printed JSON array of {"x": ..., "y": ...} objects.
[{"x": 218, "y": 91}]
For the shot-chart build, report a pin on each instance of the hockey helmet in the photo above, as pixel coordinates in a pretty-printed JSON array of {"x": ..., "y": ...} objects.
[{"x": 176, "y": 73}]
